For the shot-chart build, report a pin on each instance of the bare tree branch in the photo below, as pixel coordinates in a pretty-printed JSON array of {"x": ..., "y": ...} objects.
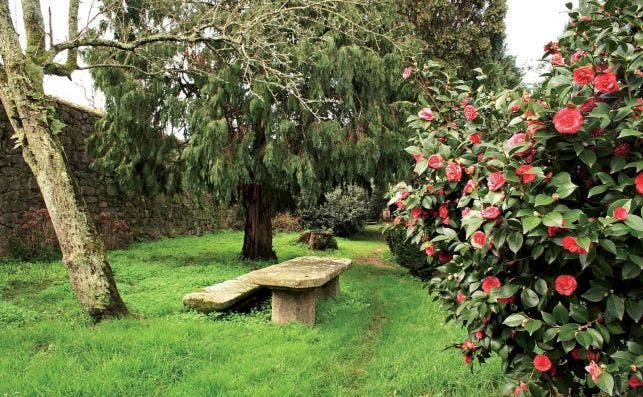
[{"x": 72, "y": 54}]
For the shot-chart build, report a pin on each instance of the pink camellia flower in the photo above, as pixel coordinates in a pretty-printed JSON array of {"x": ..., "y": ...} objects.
[
  {"x": 622, "y": 150},
  {"x": 584, "y": 75},
  {"x": 465, "y": 211},
  {"x": 407, "y": 73},
  {"x": 524, "y": 174},
  {"x": 467, "y": 359},
  {"x": 490, "y": 213},
  {"x": 575, "y": 57},
  {"x": 606, "y": 82},
  {"x": 435, "y": 161},
  {"x": 469, "y": 345},
  {"x": 496, "y": 181},
  {"x": 542, "y": 363},
  {"x": 588, "y": 105},
  {"x": 400, "y": 204},
  {"x": 470, "y": 186},
  {"x": 418, "y": 157},
  {"x": 522, "y": 387},
  {"x": 464, "y": 102},
  {"x": 594, "y": 370},
  {"x": 430, "y": 250},
  {"x": 557, "y": 59},
  {"x": 570, "y": 244},
  {"x": 470, "y": 112},
  {"x": 402, "y": 195},
  {"x": 515, "y": 108},
  {"x": 620, "y": 213},
  {"x": 568, "y": 120},
  {"x": 478, "y": 239},
  {"x": 517, "y": 139},
  {"x": 460, "y": 297},
  {"x": 638, "y": 181},
  {"x": 475, "y": 138},
  {"x": 565, "y": 284},
  {"x": 552, "y": 47},
  {"x": 479, "y": 334},
  {"x": 489, "y": 283},
  {"x": 426, "y": 114},
  {"x": 398, "y": 220},
  {"x": 453, "y": 172}
]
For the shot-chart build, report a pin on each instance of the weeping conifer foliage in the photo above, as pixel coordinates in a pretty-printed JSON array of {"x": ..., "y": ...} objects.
[{"x": 326, "y": 115}]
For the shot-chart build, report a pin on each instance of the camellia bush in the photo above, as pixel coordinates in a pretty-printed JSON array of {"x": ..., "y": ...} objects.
[{"x": 531, "y": 203}]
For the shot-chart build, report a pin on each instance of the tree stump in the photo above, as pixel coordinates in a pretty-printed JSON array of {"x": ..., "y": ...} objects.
[{"x": 318, "y": 240}]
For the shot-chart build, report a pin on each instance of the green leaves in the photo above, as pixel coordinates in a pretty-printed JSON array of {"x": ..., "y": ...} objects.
[
  {"x": 615, "y": 306},
  {"x": 529, "y": 298},
  {"x": 553, "y": 219},
  {"x": 514, "y": 320},
  {"x": 530, "y": 223},
  {"x": 515, "y": 241}
]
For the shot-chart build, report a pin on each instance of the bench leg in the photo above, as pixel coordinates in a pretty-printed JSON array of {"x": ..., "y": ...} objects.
[
  {"x": 288, "y": 306},
  {"x": 330, "y": 289}
]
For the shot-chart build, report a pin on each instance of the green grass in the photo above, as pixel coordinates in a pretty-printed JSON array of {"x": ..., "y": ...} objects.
[{"x": 382, "y": 337}]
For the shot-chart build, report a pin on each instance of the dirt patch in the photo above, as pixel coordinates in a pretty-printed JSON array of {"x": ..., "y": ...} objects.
[{"x": 374, "y": 260}]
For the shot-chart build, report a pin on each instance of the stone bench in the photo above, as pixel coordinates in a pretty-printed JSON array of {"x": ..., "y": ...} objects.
[{"x": 295, "y": 284}]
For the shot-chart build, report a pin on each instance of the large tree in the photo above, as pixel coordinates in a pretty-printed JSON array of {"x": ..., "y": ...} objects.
[
  {"x": 249, "y": 137},
  {"x": 244, "y": 31}
]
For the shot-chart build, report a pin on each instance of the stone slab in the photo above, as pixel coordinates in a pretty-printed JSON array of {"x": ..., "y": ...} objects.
[
  {"x": 299, "y": 273},
  {"x": 293, "y": 305},
  {"x": 220, "y": 296}
]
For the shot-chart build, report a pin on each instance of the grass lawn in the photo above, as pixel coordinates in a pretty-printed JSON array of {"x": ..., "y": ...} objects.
[{"x": 382, "y": 337}]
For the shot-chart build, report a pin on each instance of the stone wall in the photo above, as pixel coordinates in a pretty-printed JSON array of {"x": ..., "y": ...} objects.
[{"x": 146, "y": 217}]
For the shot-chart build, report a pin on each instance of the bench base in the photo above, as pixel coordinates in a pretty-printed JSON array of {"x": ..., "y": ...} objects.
[
  {"x": 289, "y": 306},
  {"x": 330, "y": 289}
]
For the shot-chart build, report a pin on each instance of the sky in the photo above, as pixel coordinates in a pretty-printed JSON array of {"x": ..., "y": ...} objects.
[{"x": 530, "y": 25}]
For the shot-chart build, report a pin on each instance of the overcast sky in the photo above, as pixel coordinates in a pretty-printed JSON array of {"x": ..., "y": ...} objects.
[{"x": 530, "y": 24}]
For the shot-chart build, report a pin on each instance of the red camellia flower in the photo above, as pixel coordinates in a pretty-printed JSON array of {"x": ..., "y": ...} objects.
[
  {"x": 426, "y": 114},
  {"x": 444, "y": 211},
  {"x": 575, "y": 57},
  {"x": 620, "y": 213},
  {"x": 467, "y": 359},
  {"x": 533, "y": 126},
  {"x": 496, "y": 181},
  {"x": 638, "y": 181},
  {"x": 594, "y": 371},
  {"x": 553, "y": 230},
  {"x": 517, "y": 139},
  {"x": 552, "y": 47},
  {"x": 490, "y": 213},
  {"x": 524, "y": 174},
  {"x": 453, "y": 172},
  {"x": 475, "y": 138},
  {"x": 407, "y": 73},
  {"x": 470, "y": 186},
  {"x": 634, "y": 382},
  {"x": 568, "y": 120},
  {"x": 417, "y": 212},
  {"x": 479, "y": 334},
  {"x": 489, "y": 283},
  {"x": 435, "y": 161},
  {"x": 400, "y": 204},
  {"x": 464, "y": 102},
  {"x": 515, "y": 108},
  {"x": 402, "y": 195},
  {"x": 570, "y": 244},
  {"x": 557, "y": 59},
  {"x": 418, "y": 157},
  {"x": 622, "y": 150},
  {"x": 507, "y": 300},
  {"x": 460, "y": 297},
  {"x": 606, "y": 82},
  {"x": 588, "y": 105},
  {"x": 542, "y": 363},
  {"x": 470, "y": 112},
  {"x": 478, "y": 239},
  {"x": 430, "y": 250},
  {"x": 584, "y": 75},
  {"x": 443, "y": 257},
  {"x": 575, "y": 353},
  {"x": 565, "y": 284}
]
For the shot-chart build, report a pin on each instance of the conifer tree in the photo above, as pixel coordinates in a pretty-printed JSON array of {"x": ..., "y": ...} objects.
[{"x": 253, "y": 139}]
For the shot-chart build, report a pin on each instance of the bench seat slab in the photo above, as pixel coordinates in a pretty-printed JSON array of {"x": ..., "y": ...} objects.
[{"x": 220, "y": 296}]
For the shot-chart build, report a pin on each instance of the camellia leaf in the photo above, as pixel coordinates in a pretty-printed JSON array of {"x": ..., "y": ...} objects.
[
  {"x": 515, "y": 241},
  {"x": 553, "y": 219},
  {"x": 606, "y": 382},
  {"x": 529, "y": 298},
  {"x": 588, "y": 157},
  {"x": 616, "y": 306},
  {"x": 514, "y": 320},
  {"x": 560, "y": 313},
  {"x": 533, "y": 325},
  {"x": 635, "y": 222},
  {"x": 567, "y": 332},
  {"x": 543, "y": 199},
  {"x": 595, "y": 294}
]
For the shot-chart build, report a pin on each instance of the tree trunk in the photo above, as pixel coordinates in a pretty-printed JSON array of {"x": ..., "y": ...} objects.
[
  {"x": 257, "y": 240},
  {"x": 36, "y": 131}
]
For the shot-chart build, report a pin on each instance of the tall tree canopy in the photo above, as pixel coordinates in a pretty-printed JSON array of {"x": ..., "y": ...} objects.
[
  {"x": 249, "y": 137},
  {"x": 465, "y": 34}
]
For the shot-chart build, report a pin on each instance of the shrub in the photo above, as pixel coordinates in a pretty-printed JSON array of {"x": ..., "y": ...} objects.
[
  {"x": 286, "y": 222},
  {"x": 407, "y": 254},
  {"x": 115, "y": 232},
  {"x": 538, "y": 200},
  {"x": 344, "y": 212}
]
